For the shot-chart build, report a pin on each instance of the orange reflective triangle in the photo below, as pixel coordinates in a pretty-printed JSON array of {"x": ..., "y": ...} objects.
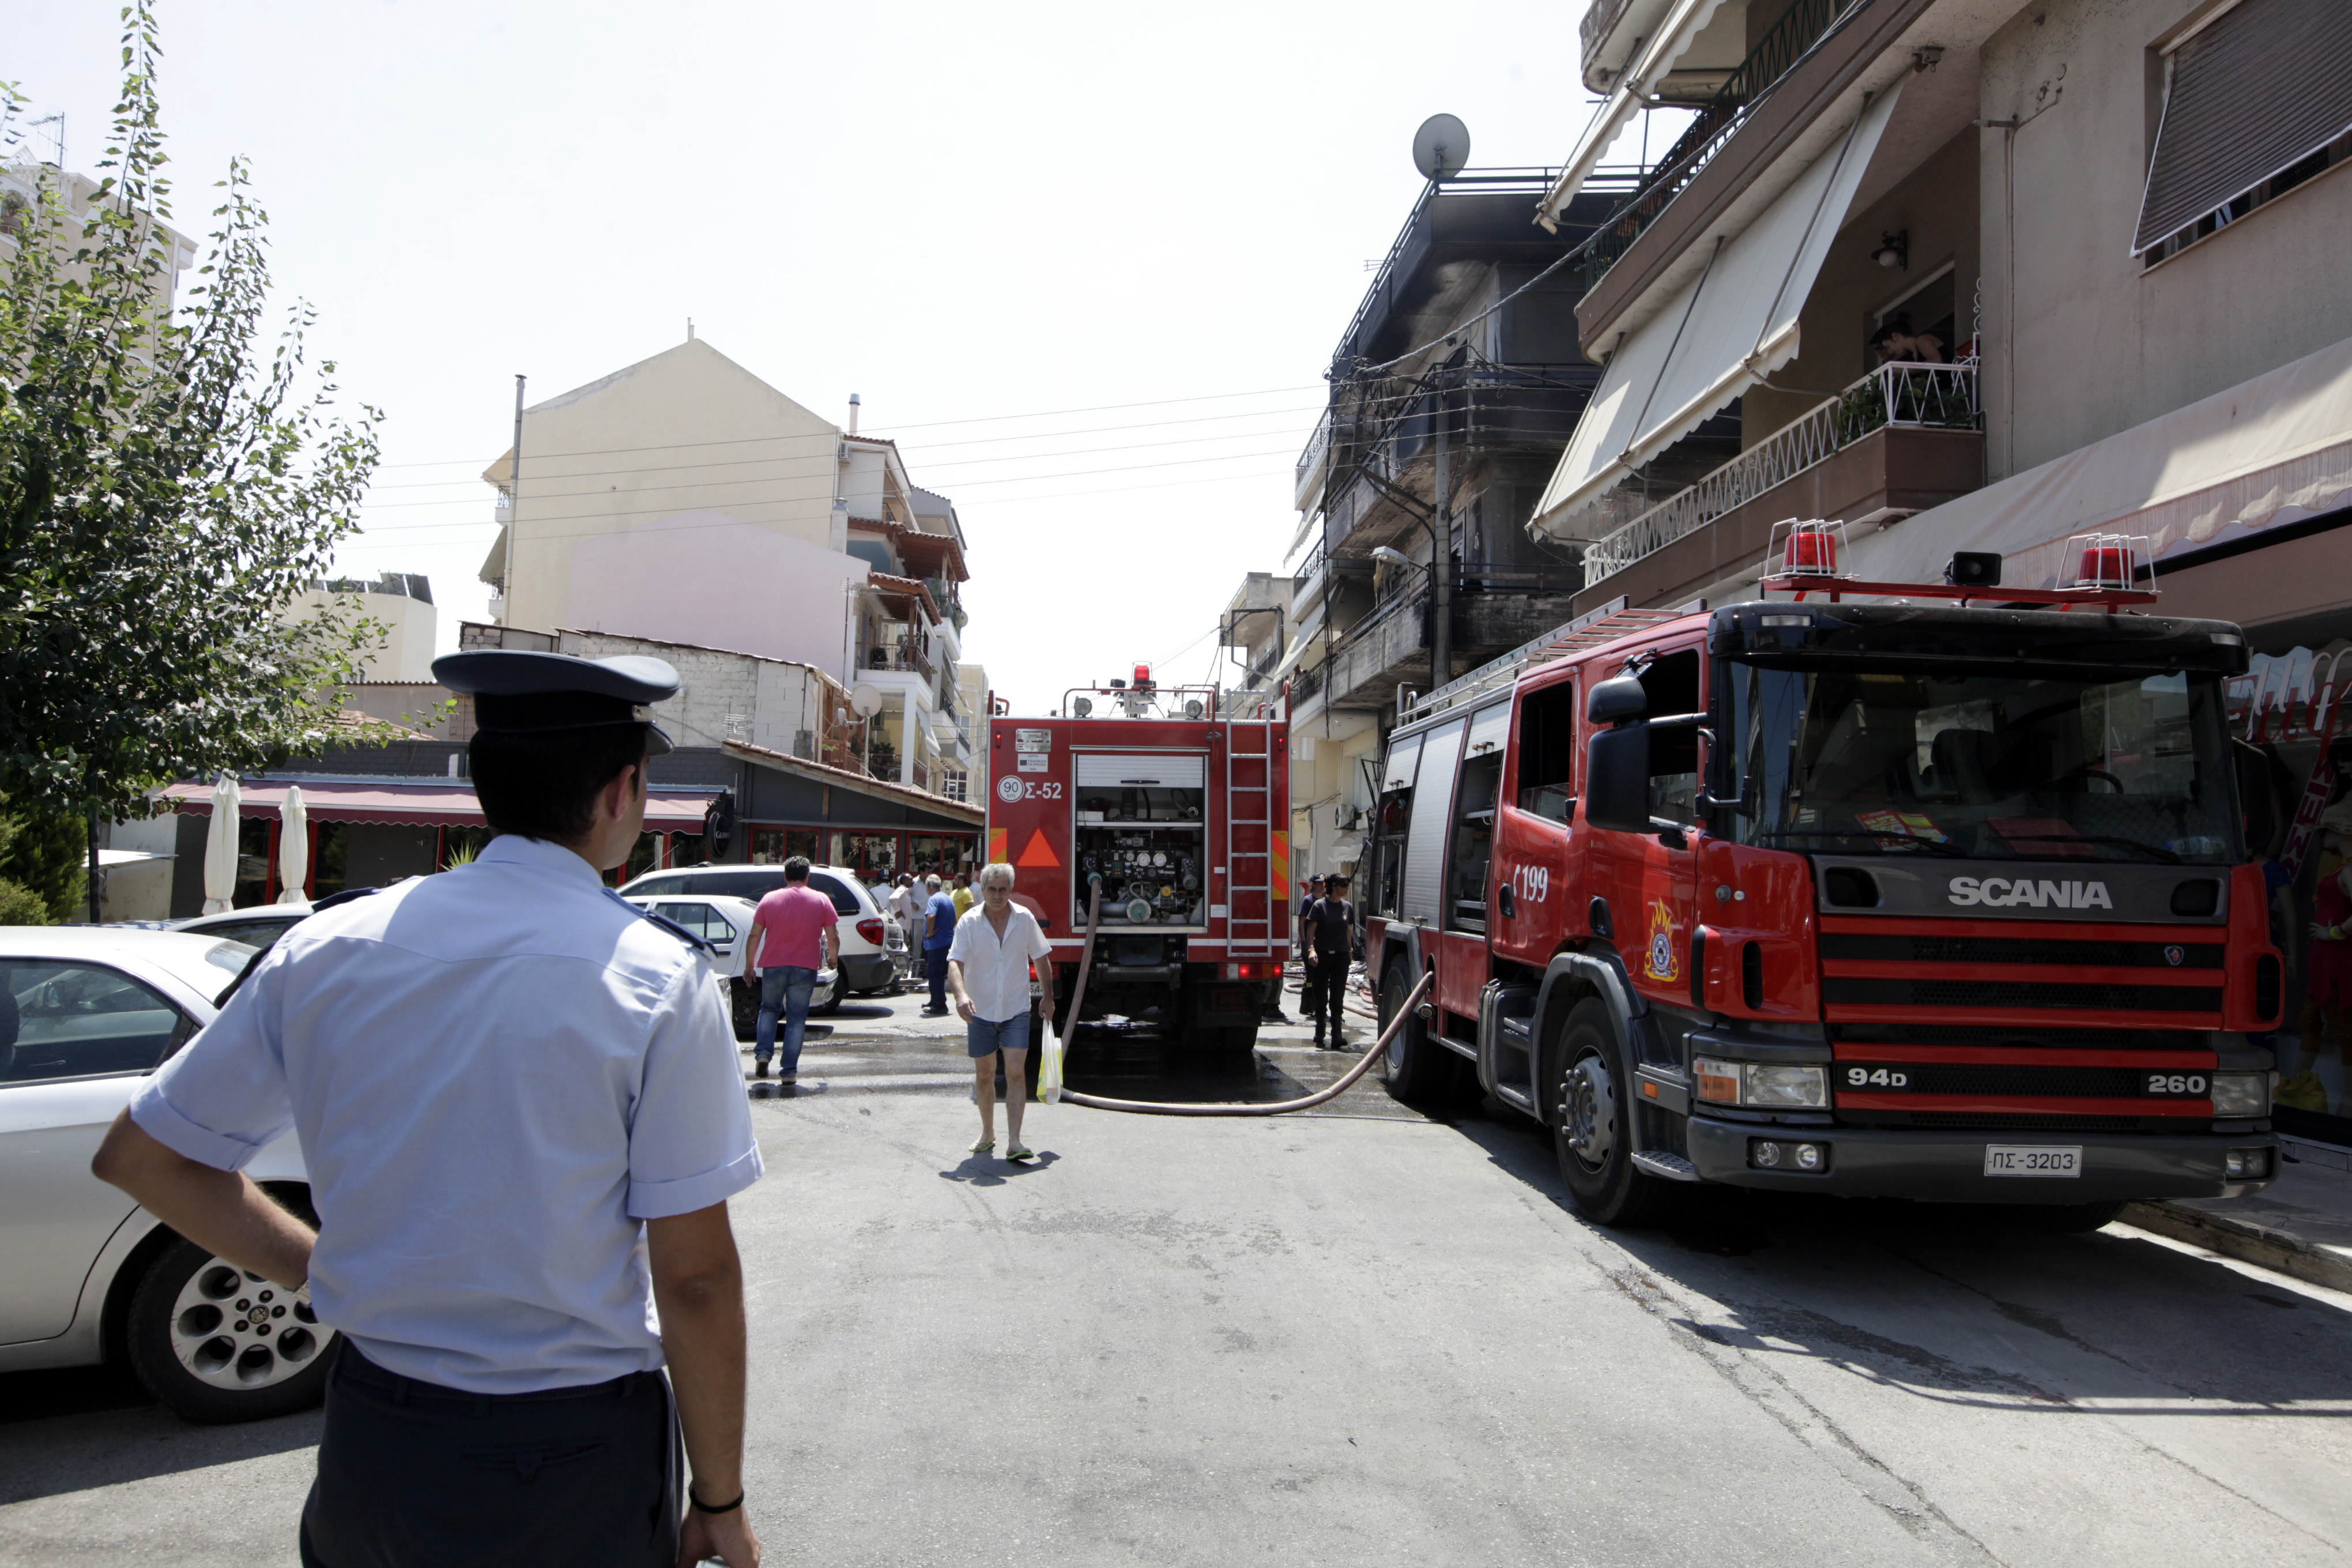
[{"x": 1038, "y": 852}]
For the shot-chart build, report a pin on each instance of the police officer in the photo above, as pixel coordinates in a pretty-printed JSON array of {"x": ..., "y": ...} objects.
[
  {"x": 522, "y": 1113},
  {"x": 1328, "y": 924}
]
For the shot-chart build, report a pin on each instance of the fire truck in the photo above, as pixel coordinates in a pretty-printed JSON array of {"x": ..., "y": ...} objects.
[
  {"x": 1175, "y": 807},
  {"x": 1935, "y": 892}
]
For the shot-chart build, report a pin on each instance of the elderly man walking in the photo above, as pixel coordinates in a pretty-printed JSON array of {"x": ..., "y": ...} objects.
[{"x": 988, "y": 966}]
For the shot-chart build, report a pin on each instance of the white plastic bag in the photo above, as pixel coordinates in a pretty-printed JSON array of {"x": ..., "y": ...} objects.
[{"x": 1049, "y": 1064}]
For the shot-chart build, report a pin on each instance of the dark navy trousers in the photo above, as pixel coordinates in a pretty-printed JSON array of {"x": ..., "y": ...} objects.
[{"x": 414, "y": 1475}]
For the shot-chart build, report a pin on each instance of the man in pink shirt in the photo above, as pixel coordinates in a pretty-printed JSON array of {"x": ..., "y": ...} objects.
[{"x": 791, "y": 939}]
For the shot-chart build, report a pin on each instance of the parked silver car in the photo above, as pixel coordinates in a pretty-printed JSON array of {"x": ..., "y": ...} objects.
[
  {"x": 85, "y": 1015},
  {"x": 861, "y": 933}
]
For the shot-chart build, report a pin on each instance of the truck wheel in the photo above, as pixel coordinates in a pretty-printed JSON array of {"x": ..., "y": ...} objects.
[
  {"x": 1593, "y": 1129},
  {"x": 218, "y": 1345},
  {"x": 1414, "y": 1067}
]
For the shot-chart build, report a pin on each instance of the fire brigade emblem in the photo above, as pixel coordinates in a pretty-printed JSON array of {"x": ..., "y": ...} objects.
[
  {"x": 1008, "y": 788},
  {"x": 2174, "y": 955},
  {"x": 1662, "y": 964}
]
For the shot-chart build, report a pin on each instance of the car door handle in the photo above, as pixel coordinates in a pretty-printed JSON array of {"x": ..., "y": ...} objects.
[{"x": 1504, "y": 902}]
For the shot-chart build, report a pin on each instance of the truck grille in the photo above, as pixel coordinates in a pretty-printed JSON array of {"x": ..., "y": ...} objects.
[
  {"x": 1946, "y": 1075},
  {"x": 2021, "y": 949},
  {"x": 2015, "y": 1121},
  {"x": 2030, "y": 994}
]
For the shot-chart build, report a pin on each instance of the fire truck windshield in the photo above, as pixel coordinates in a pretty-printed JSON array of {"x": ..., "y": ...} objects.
[{"x": 2085, "y": 764}]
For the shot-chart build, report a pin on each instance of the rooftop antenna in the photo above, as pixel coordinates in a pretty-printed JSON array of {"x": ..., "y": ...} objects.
[
  {"x": 1441, "y": 147},
  {"x": 690, "y": 329},
  {"x": 57, "y": 120}
]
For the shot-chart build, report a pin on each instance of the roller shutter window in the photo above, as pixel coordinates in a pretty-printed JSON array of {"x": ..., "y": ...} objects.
[
  {"x": 1432, "y": 811},
  {"x": 1490, "y": 728},
  {"x": 1404, "y": 757},
  {"x": 1115, "y": 769},
  {"x": 2260, "y": 90}
]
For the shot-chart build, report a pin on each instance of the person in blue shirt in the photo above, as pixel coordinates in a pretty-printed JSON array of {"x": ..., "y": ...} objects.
[
  {"x": 522, "y": 1114},
  {"x": 939, "y": 934}
]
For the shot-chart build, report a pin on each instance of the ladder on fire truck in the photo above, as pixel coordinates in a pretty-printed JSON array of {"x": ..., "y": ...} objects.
[
  {"x": 1590, "y": 630},
  {"x": 1250, "y": 806}
]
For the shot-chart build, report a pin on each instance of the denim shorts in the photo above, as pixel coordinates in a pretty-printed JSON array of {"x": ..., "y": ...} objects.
[{"x": 984, "y": 1039}]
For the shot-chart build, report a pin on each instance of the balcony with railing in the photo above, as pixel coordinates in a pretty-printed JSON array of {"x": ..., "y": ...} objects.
[
  {"x": 895, "y": 654},
  {"x": 1802, "y": 27},
  {"x": 1902, "y": 438}
]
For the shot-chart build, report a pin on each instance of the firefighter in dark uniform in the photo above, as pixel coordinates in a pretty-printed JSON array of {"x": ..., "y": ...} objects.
[
  {"x": 1311, "y": 989},
  {"x": 521, "y": 1114},
  {"x": 1329, "y": 927}
]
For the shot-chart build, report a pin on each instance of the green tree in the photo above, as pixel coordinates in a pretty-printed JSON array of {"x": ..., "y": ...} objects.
[
  {"x": 43, "y": 854},
  {"x": 169, "y": 483}
]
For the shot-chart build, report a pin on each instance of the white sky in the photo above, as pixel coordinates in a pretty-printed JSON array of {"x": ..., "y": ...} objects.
[{"x": 956, "y": 211}]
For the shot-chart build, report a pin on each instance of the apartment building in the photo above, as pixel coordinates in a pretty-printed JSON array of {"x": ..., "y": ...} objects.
[
  {"x": 400, "y": 604},
  {"x": 1988, "y": 275},
  {"x": 683, "y": 498},
  {"x": 1453, "y": 389}
]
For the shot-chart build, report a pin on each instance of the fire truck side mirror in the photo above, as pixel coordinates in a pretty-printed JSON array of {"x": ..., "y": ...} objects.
[
  {"x": 2256, "y": 797},
  {"x": 1617, "y": 701},
  {"x": 1617, "y": 775}
]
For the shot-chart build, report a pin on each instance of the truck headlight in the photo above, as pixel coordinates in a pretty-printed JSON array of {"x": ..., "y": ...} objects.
[
  {"x": 1717, "y": 1080},
  {"x": 2241, "y": 1094},
  {"x": 1771, "y": 1086}
]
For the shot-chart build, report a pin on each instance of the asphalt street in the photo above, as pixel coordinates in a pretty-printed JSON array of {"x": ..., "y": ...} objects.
[{"x": 1369, "y": 1334}]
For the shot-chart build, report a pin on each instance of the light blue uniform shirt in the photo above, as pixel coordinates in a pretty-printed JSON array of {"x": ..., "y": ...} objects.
[{"x": 498, "y": 1074}]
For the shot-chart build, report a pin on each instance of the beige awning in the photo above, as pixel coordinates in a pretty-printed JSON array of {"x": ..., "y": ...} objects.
[
  {"x": 1674, "y": 38},
  {"x": 2272, "y": 451},
  {"x": 1728, "y": 328}
]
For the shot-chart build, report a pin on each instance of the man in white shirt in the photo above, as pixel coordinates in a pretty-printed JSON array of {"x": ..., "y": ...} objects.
[
  {"x": 988, "y": 969},
  {"x": 522, "y": 1115}
]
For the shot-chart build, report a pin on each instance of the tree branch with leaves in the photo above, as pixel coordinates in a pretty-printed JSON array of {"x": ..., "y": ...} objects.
[{"x": 170, "y": 482}]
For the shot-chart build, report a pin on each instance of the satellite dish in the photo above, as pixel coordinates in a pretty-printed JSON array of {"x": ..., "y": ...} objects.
[
  {"x": 1441, "y": 147},
  {"x": 865, "y": 701}
]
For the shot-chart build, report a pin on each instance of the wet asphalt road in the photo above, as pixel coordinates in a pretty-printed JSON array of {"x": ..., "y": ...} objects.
[{"x": 1370, "y": 1334}]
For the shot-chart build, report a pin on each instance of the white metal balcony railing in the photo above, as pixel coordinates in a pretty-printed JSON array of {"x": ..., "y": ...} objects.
[{"x": 1935, "y": 397}]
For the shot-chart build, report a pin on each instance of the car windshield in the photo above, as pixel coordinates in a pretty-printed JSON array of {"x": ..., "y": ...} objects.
[{"x": 1888, "y": 761}]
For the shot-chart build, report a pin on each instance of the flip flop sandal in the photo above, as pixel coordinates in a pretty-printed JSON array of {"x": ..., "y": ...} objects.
[
  {"x": 1018, "y": 1152},
  {"x": 984, "y": 1146}
]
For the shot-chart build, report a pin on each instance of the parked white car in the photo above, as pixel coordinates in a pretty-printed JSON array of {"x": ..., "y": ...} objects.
[
  {"x": 257, "y": 927},
  {"x": 862, "y": 934},
  {"x": 725, "y": 923},
  {"x": 86, "y": 1014}
]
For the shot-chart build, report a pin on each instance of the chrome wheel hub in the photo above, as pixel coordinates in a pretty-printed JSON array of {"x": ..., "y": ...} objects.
[
  {"x": 236, "y": 1330},
  {"x": 1588, "y": 1118}
]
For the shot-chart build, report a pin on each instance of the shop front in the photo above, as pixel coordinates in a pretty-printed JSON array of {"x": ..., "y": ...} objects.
[
  {"x": 372, "y": 833},
  {"x": 793, "y": 806}
]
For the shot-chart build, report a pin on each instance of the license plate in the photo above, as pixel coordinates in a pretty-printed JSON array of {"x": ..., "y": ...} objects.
[{"x": 2027, "y": 1160}]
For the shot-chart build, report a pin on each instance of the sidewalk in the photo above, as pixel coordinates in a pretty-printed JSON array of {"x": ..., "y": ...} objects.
[{"x": 2299, "y": 1224}]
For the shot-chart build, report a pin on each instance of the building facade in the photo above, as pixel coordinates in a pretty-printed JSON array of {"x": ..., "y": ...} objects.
[{"x": 684, "y": 499}]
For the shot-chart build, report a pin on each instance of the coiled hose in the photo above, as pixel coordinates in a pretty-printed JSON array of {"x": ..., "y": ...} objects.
[{"x": 1155, "y": 1107}]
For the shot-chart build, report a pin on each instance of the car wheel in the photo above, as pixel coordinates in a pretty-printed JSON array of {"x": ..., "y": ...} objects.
[
  {"x": 1592, "y": 1132},
  {"x": 219, "y": 1343}
]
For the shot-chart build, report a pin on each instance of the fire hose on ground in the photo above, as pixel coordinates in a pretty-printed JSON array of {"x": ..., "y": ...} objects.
[{"x": 1153, "y": 1108}]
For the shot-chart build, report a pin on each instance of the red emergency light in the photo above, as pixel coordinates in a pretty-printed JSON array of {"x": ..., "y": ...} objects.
[
  {"x": 1810, "y": 547},
  {"x": 1143, "y": 677},
  {"x": 2107, "y": 560}
]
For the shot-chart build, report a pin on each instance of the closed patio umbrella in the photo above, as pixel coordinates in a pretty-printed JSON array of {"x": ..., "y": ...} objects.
[
  {"x": 293, "y": 845},
  {"x": 220, "y": 848}
]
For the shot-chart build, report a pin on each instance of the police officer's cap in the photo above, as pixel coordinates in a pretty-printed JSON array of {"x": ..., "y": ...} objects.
[{"x": 517, "y": 691}]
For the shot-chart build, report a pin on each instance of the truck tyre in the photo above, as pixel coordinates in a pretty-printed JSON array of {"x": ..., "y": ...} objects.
[
  {"x": 1592, "y": 1128},
  {"x": 1414, "y": 1067}
]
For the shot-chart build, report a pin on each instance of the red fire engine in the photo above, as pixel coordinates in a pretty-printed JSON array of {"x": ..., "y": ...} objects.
[
  {"x": 1943, "y": 896},
  {"x": 1177, "y": 812}
]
